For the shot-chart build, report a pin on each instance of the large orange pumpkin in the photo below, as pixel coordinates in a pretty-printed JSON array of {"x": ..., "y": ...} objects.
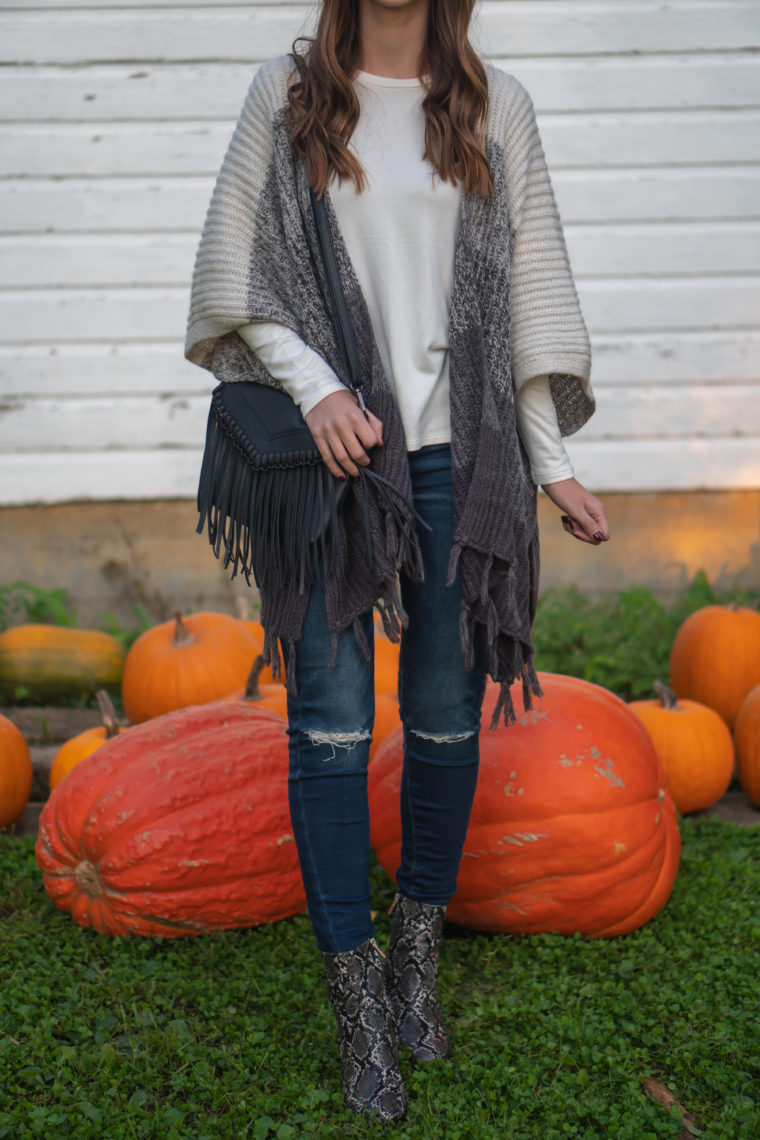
[
  {"x": 572, "y": 828},
  {"x": 176, "y": 827},
  {"x": 387, "y": 718},
  {"x": 694, "y": 745},
  {"x": 715, "y": 658},
  {"x": 186, "y": 661},
  {"x": 747, "y": 737},
  {"x": 386, "y": 665},
  {"x": 54, "y": 661},
  {"x": 79, "y": 747},
  {"x": 15, "y": 772}
]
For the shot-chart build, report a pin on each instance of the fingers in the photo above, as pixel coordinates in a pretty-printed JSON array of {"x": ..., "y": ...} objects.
[
  {"x": 346, "y": 448},
  {"x": 327, "y": 458},
  {"x": 343, "y": 434},
  {"x": 588, "y": 525},
  {"x": 376, "y": 426}
]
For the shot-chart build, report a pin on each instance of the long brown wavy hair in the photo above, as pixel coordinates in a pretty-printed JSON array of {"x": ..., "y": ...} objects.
[{"x": 323, "y": 107}]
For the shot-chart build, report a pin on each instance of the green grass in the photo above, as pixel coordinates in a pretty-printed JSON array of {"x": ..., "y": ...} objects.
[
  {"x": 230, "y": 1035},
  {"x": 621, "y": 641}
]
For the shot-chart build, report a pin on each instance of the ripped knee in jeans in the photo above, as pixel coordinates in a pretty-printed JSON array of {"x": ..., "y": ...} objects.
[
  {"x": 444, "y": 737},
  {"x": 335, "y": 740}
]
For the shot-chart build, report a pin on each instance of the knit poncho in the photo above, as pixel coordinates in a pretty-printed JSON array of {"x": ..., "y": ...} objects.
[{"x": 514, "y": 314}]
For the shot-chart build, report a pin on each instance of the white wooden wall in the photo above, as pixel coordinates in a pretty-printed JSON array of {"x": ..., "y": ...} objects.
[{"x": 113, "y": 122}]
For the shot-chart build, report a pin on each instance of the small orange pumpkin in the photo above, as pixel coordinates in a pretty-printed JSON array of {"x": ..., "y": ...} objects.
[
  {"x": 715, "y": 658},
  {"x": 273, "y": 697},
  {"x": 85, "y": 743},
  {"x": 183, "y": 662},
  {"x": 15, "y": 772},
  {"x": 694, "y": 745},
  {"x": 747, "y": 737}
]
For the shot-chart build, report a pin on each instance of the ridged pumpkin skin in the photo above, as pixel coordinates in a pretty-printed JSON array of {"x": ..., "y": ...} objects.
[
  {"x": 715, "y": 658},
  {"x": 747, "y": 737},
  {"x": 15, "y": 772},
  {"x": 54, "y": 661},
  {"x": 186, "y": 661},
  {"x": 572, "y": 829},
  {"x": 695, "y": 747},
  {"x": 176, "y": 827}
]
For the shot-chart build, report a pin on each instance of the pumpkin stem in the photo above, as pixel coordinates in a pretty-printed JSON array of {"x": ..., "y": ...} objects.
[
  {"x": 252, "y": 690},
  {"x": 87, "y": 879},
  {"x": 107, "y": 713},
  {"x": 182, "y": 635},
  {"x": 667, "y": 697}
]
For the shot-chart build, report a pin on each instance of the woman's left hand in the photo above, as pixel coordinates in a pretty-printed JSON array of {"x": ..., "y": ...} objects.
[{"x": 583, "y": 516}]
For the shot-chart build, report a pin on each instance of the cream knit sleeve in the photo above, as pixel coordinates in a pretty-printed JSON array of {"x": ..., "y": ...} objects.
[
  {"x": 548, "y": 334},
  {"x": 223, "y": 296}
]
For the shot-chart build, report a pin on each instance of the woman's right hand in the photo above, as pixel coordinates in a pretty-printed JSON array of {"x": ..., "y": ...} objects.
[{"x": 342, "y": 433}]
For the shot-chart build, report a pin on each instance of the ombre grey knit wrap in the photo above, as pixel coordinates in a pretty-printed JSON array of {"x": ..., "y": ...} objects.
[{"x": 259, "y": 260}]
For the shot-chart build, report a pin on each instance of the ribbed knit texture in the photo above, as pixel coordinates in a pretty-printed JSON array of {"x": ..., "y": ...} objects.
[{"x": 514, "y": 314}]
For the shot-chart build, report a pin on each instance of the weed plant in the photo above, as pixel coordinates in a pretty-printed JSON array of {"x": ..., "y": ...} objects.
[
  {"x": 230, "y": 1035},
  {"x": 622, "y": 641}
]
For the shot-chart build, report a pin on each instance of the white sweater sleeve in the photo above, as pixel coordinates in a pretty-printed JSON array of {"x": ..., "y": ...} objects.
[
  {"x": 539, "y": 431},
  {"x": 302, "y": 372},
  {"x": 308, "y": 379}
]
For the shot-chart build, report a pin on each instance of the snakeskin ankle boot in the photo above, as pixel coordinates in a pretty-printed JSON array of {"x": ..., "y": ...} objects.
[
  {"x": 411, "y": 969},
  {"x": 372, "y": 1081}
]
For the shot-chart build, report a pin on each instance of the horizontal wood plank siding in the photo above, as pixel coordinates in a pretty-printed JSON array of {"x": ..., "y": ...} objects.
[
  {"x": 715, "y": 358},
  {"x": 659, "y": 249},
  {"x": 573, "y": 140},
  {"x": 166, "y": 205},
  {"x": 30, "y": 477},
  {"x": 113, "y": 121},
  {"x": 256, "y": 31},
  {"x": 176, "y": 92},
  {"x": 58, "y": 316},
  {"x": 66, "y": 423}
]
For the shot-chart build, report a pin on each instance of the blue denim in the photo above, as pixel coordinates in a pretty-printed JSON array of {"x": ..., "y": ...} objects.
[{"x": 330, "y": 727}]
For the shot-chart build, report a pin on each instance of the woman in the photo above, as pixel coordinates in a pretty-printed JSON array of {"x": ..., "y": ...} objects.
[{"x": 475, "y": 357}]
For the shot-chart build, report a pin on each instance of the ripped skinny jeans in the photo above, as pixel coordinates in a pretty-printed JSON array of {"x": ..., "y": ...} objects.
[{"x": 330, "y": 728}]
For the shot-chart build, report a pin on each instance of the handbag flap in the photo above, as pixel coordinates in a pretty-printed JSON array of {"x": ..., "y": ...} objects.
[{"x": 265, "y": 423}]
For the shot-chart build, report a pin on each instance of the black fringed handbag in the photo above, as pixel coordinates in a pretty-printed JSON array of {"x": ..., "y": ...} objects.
[{"x": 267, "y": 498}]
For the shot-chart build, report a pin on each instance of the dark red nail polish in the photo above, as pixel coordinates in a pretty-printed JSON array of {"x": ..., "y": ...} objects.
[
  {"x": 342, "y": 478},
  {"x": 598, "y": 536}
]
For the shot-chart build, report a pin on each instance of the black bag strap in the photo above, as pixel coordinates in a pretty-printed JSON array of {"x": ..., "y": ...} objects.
[{"x": 343, "y": 328}]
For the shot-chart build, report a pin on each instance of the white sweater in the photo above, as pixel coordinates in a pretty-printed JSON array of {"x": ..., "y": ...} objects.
[{"x": 400, "y": 234}]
